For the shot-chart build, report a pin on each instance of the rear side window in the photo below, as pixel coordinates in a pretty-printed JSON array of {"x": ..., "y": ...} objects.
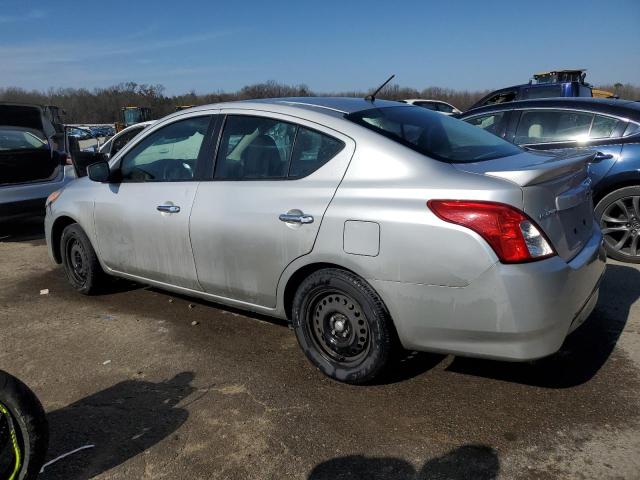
[
  {"x": 542, "y": 92},
  {"x": 631, "y": 129},
  {"x": 311, "y": 151},
  {"x": 261, "y": 148},
  {"x": 443, "y": 107},
  {"x": 603, "y": 126},
  {"x": 542, "y": 126},
  {"x": 428, "y": 105},
  {"x": 433, "y": 134}
]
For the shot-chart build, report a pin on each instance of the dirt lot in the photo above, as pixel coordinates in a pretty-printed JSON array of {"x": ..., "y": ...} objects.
[{"x": 232, "y": 397}]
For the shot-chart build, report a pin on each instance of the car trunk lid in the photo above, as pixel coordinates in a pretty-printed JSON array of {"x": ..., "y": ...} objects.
[{"x": 556, "y": 193}]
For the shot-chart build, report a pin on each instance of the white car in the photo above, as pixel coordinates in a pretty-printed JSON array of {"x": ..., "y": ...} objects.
[
  {"x": 435, "y": 105},
  {"x": 120, "y": 139}
]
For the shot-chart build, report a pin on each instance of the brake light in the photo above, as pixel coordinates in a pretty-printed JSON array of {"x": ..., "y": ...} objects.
[{"x": 513, "y": 236}]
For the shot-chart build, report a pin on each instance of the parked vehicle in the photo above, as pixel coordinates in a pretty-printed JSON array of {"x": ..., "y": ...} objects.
[
  {"x": 24, "y": 433},
  {"x": 118, "y": 141},
  {"x": 436, "y": 105},
  {"x": 133, "y": 115},
  {"x": 559, "y": 83},
  {"x": 366, "y": 224},
  {"x": 32, "y": 164},
  {"x": 610, "y": 127}
]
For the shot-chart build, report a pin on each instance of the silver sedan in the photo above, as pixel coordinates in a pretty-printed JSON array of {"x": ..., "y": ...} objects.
[{"x": 369, "y": 225}]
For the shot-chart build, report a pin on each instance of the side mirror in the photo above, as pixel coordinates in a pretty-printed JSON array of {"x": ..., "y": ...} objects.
[
  {"x": 81, "y": 160},
  {"x": 99, "y": 172}
]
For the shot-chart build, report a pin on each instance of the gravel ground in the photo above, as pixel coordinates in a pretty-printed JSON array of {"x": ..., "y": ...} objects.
[{"x": 168, "y": 387}]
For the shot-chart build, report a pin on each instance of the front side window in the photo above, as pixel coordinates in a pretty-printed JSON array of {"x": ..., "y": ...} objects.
[
  {"x": 260, "y": 148},
  {"x": 492, "y": 123},
  {"x": 542, "y": 126},
  {"x": 502, "y": 97},
  {"x": 433, "y": 134},
  {"x": 169, "y": 154}
]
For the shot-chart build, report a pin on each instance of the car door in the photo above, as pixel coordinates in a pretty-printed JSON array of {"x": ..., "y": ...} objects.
[
  {"x": 274, "y": 178},
  {"x": 559, "y": 130},
  {"x": 142, "y": 217}
]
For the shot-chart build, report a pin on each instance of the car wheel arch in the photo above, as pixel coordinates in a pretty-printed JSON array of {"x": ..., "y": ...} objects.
[
  {"x": 58, "y": 227},
  {"x": 612, "y": 185},
  {"x": 302, "y": 272}
]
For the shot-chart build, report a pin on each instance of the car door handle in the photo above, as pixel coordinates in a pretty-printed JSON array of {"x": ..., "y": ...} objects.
[
  {"x": 295, "y": 218},
  {"x": 168, "y": 208},
  {"x": 601, "y": 156}
]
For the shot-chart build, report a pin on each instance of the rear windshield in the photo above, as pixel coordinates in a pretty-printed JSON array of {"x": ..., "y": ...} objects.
[
  {"x": 15, "y": 139},
  {"x": 433, "y": 134}
]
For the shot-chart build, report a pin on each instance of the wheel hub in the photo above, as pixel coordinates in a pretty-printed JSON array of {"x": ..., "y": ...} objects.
[
  {"x": 339, "y": 327},
  {"x": 620, "y": 224},
  {"x": 76, "y": 261}
]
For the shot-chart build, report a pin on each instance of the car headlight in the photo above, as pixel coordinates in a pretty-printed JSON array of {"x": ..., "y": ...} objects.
[{"x": 52, "y": 197}]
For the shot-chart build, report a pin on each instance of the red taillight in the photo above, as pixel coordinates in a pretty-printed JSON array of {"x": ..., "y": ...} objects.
[{"x": 512, "y": 235}]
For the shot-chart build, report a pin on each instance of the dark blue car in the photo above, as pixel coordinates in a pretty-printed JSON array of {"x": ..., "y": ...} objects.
[{"x": 610, "y": 127}]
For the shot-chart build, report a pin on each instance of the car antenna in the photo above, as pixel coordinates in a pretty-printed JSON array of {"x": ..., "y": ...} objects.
[{"x": 372, "y": 96}]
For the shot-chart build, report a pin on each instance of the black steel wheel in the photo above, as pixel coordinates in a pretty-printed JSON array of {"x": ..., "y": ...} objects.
[
  {"x": 24, "y": 434},
  {"x": 339, "y": 329},
  {"x": 619, "y": 216},
  {"x": 80, "y": 261},
  {"x": 343, "y": 326}
]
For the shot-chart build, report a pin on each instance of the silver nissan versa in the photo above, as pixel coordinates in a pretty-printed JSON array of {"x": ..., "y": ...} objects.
[{"x": 369, "y": 225}]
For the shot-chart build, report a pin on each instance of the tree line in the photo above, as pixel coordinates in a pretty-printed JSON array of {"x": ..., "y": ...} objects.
[{"x": 103, "y": 105}]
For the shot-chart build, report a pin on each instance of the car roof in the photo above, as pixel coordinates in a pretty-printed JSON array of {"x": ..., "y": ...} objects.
[
  {"x": 623, "y": 108},
  {"x": 423, "y": 100},
  {"x": 332, "y": 106}
]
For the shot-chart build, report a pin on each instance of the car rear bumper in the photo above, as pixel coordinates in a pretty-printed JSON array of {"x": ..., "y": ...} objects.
[
  {"x": 512, "y": 312},
  {"x": 27, "y": 199}
]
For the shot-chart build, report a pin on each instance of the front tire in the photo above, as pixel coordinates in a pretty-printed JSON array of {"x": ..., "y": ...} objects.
[
  {"x": 618, "y": 215},
  {"x": 80, "y": 261},
  {"x": 24, "y": 434},
  {"x": 342, "y": 326}
]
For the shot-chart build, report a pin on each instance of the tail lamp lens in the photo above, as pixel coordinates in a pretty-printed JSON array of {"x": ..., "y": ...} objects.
[{"x": 513, "y": 236}]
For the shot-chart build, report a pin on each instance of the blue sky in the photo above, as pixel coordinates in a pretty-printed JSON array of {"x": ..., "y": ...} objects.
[{"x": 329, "y": 45}]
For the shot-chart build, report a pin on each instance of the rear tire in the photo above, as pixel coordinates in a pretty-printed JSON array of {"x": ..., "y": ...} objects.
[
  {"x": 29, "y": 423},
  {"x": 618, "y": 215},
  {"x": 80, "y": 261},
  {"x": 343, "y": 326}
]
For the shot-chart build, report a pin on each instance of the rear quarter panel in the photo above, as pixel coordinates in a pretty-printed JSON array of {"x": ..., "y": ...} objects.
[{"x": 389, "y": 184}]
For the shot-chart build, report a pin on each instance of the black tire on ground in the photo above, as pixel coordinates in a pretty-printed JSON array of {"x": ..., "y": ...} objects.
[
  {"x": 618, "y": 215},
  {"x": 80, "y": 261},
  {"x": 343, "y": 326},
  {"x": 29, "y": 422}
]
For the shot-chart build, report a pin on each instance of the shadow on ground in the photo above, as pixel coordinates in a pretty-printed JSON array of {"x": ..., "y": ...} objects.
[
  {"x": 468, "y": 462},
  {"x": 121, "y": 421},
  {"x": 27, "y": 230},
  {"x": 584, "y": 352}
]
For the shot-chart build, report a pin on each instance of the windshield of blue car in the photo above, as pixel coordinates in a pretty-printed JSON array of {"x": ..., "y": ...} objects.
[
  {"x": 433, "y": 134},
  {"x": 18, "y": 139}
]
